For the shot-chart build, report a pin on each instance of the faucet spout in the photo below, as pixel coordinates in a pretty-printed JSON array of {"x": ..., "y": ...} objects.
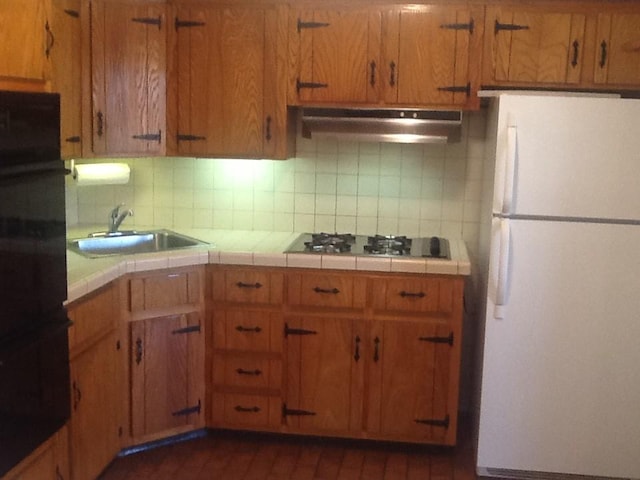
[{"x": 116, "y": 217}]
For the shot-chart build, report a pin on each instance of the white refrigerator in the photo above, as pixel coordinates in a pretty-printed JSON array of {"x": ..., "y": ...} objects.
[{"x": 560, "y": 390}]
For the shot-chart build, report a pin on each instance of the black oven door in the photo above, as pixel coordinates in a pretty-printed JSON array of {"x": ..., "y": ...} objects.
[{"x": 34, "y": 398}]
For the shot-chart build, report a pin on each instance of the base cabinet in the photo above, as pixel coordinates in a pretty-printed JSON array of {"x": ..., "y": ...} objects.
[{"x": 50, "y": 461}]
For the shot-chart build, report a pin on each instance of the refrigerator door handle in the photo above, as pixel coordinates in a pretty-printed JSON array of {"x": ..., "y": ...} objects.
[
  {"x": 510, "y": 169},
  {"x": 503, "y": 269}
]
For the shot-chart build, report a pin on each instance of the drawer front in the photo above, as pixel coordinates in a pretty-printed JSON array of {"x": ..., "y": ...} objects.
[
  {"x": 322, "y": 290},
  {"x": 246, "y": 410},
  {"x": 246, "y": 286},
  {"x": 164, "y": 290},
  {"x": 247, "y": 330},
  {"x": 247, "y": 372},
  {"x": 413, "y": 295}
]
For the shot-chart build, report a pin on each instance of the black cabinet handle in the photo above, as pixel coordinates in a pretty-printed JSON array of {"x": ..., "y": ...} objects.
[
  {"x": 376, "y": 346},
  {"x": 99, "y": 123},
  {"x": 404, "y": 294},
  {"x": 356, "y": 357},
  {"x": 240, "y": 328},
  {"x": 256, "y": 372},
  {"x": 239, "y": 408},
  {"x": 248, "y": 285},
  {"x": 333, "y": 291},
  {"x": 392, "y": 77},
  {"x": 372, "y": 77},
  {"x": 77, "y": 395},
  {"x": 576, "y": 52},
  {"x": 138, "y": 351},
  {"x": 603, "y": 54},
  {"x": 50, "y": 40},
  {"x": 268, "y": 128}
]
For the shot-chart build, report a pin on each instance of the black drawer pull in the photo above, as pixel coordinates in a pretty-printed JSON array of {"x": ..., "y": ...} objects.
[
  {"x": 333, "y": 291},
  {"x": 248, "y": 285},
  {"x": 404, "y": 294},
  {"x": 255, "y": 372},
  {"x": 247, "y": 409},
  {"x": 240, "y": 328}
]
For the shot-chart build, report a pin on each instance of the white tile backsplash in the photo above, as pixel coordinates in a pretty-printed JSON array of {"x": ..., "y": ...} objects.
[{"x": 364, "y": 188}]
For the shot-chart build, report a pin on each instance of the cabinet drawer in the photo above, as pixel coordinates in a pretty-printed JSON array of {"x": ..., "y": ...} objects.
[
  {"x": 247, "y": 371},
  {"x": 163, "y": 290},
  {"x": 246, "y": 410},
  {"x": 244, "y": 285},
  {"x": 247, "y": 330},
  {"x": 326, "y": 290},
  {"x": 92, "y": 317},
  {"x": 433, "y": 295}
]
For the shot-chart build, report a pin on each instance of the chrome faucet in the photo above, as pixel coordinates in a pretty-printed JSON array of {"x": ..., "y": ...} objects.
[{"x": 116, "y": 217}]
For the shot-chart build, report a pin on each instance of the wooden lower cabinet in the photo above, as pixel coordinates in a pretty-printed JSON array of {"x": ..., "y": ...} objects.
[
  {"x": 97, "y": 386},
  {"x": 373, "y": 356},
  {"x": 50, "y": 461},
  {"x": 165, "y": 333}
]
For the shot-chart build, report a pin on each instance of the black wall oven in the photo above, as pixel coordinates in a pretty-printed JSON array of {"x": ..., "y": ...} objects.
[{"x": 34, "y": 360}]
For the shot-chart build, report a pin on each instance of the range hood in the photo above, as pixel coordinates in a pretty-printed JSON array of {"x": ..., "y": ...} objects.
[{"x": 383, "y": 125}]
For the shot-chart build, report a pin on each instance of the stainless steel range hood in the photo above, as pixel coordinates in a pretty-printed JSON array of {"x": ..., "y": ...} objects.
[{"x": 383, "y": 125}]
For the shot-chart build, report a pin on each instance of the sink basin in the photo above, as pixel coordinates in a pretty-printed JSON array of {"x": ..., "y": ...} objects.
[{"x": 126, "y": 243}]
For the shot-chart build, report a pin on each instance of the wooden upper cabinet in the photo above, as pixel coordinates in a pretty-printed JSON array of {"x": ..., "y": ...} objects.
[
  {"x": 335, "y": 54},
  {"x": 66, "y": 73},
  {"x": 617, "y": 61},
  {"x": 431, "y": 55},
  {"x": 25, "y": 44},
  {"x": 533, "y": 46},
  {"x": 230, "y": 97},
  {"x": 128, "y": 67}
]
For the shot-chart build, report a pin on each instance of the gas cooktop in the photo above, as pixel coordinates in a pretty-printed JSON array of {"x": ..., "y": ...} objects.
[{"x": 378, "y": 245}]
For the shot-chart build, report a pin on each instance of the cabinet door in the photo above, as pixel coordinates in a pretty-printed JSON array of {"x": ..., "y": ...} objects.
[
  {"x": 531, "y": 46},
  {"x": 618, "y": 50},
  {"x": 25, "y": 39},
  {"x": 128, "y": 66},
  {"x": 66, "y": 64},
  {"x": 50, "y": 461},
  {"x": 95, "y": 401},
  {"x": 338, "y": 54},
  {"x": 227, "y": 95},
  {"x": 324, "y": 375},
  {"x": 166, "y": 366},
  {"x": 428, "y": 53},
  {"x": 410, "y": 387}
]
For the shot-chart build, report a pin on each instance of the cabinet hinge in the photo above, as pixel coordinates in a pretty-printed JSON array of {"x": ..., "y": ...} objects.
[
  {"x": 190, "y": 138},
  {"x": 434, "y": 422},
  {"x": 448, "y": 339},
  {"x": 457, "y": 89},
  {"x": 459, "y": 26},
  {"x": 291, "y": 411},
  {"x": 72, "y": 13},
  {"x": 193, "y": 328},
  {"x": 149, "y": 21},
  {"x": 508, "y": 26},
  {"x": 297, "y": 331},
  {"x": 188, "y": 410},
  {"x": 187, "y": 23},
  {"x": 300, "y": 85},
  {"x": 151, "y": 137},
  {"x": 74, "y": 139},
  {"x": 302, "y": 25}
]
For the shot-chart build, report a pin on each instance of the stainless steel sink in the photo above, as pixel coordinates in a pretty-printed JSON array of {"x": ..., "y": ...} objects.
[{"x": 130, "y": 242}]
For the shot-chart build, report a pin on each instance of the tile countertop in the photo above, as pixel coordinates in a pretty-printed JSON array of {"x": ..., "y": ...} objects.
[{"x": 239, "y": 247}]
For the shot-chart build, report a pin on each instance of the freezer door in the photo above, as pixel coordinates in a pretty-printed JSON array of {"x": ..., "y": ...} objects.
[
  {"x": 561, "y": 375},
  {"x": 568, "y": 157}
]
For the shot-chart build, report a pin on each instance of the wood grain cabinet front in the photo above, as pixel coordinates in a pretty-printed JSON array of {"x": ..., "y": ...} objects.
[
  {"x": 617, "y": 52},
  {"x": 50, "y": 461}
]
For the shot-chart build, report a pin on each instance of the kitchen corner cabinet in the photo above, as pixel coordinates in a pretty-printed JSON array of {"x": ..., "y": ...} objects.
[
  {"x": 424, "y": 55},
  {"x": 228, "y": 90},
  {"x": 97, "y": 382},
  {"x": 128, "y": 77},
  {"x": 245, "y": 370},
  {"x": 26, "y": 41},
  {"x": 164, "y": 315},
  {"x": 530, "y": 45},
  {"x": 66, "y": 73},
  {"x": 50, "y": 461},
  {"x": 617, "y": 53}
]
